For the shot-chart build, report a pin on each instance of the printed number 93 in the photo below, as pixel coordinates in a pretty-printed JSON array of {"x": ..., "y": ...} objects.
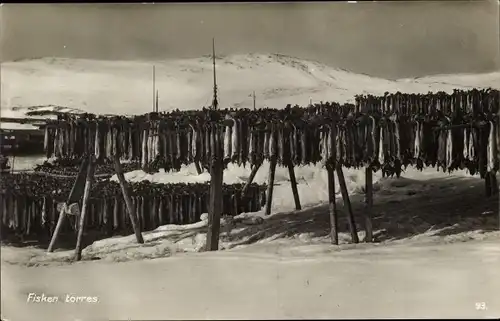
[{"x": 481, "y": 306}]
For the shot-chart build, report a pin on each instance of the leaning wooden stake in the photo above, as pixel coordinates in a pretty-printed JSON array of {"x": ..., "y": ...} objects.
[
  {"x": 254, "y": 171},
  {"x": 368, "y": 204},
  {"x": 334, "y": 235},
  {"x": 74, "y": 196},
  {"x": 293, "y": 183},
  {"x": 237, "y": 199},
  {"x": 215, "y": 201},
  {"x": 347, "y": 204},
  {"x": 86, "y": 194},
  {"x": 128, "y": 200},
  {"x": 270, "y": 184}
]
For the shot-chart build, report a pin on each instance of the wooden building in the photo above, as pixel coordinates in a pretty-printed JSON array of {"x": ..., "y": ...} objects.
[{"x": 21, "y": 141}]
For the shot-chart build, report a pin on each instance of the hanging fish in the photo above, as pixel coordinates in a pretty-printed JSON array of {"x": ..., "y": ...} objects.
[
  {"x": 227, "y": 141},
  {"x": 490, "y": 154}
]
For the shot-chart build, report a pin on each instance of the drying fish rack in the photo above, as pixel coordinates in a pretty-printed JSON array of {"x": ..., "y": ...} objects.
[
  {"x": 81, "y": 189},
  {"x": 30, "y": 204},
  {"x": 329, "y": 117}
]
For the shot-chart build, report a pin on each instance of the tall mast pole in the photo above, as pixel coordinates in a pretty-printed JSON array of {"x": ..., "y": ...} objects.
[
  {"x": 156, "y": 101},
  {"x": 215, "y": 102},
  {"x": 254, "y": 100},
  {"x": 154, "y": 87}
]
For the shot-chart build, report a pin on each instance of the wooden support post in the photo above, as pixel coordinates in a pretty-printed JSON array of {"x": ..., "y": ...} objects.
[
  {"x": 270, "y": 184},
  {"x": 293, "y": 183},
  {"x": 154, "y": 86},
  {"x": 368, "y": 204},
  {"x": 74, "y": 196},
  {"x": 198, "y": 168},
  {"x": 495, "y": 191},
  {"x": 491, "y": 184},
  {"x": 128, "y": 200},
  {"x": 334, "y": 234},
  {"x": 487, "y": 184},
  {"x": 494, "y": 183},
  {"x": 215, "y": 201},
  {"x": 347, "y": 204},
  {"x": 86, "y": 194}
]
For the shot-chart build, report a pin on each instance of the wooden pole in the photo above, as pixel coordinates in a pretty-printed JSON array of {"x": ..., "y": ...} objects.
[
  {"x": 347, "y": 204},
  {"x": 154, "y": 86},
  {"x": 496, "y": 192},
  {"x": 293, "y": 183},
  {"x": 215, "y": 201},
  {"x": 487, "y": 184},
  {"x": 128, "y": 200},
  {"x": 494, "y": 183},
  {"x": 74, "y": 196},
  {"x": 156, "y": 101},
  {"x": 86, "y": 195},
  {"x": 491, "y": 185},
  {"x": 368, "y": 204},
  {"x": 270, "y": 184},
  {"x": 215, "y": 102},
  {"x": 254, "y": 100},
  {"x": 334, "y": 235}
]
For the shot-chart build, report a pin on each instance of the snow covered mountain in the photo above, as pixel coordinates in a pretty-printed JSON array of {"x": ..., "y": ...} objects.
[{"x": 125, "y": 87}]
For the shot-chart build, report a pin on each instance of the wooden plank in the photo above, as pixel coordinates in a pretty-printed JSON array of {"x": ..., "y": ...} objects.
[
  {"x": 293, "y": 183},
  {"x": 368, "y": 204},
  {"x": 215, "y": 200},
  {"x": 74, "y": 196},
  {"x": 270, "y": 184},
  {"x": 347, "y": 204},
  {"x": 86, "y": 194},
  {"x": 128, "y": 200},
  {"x": 334, "y": 235}
]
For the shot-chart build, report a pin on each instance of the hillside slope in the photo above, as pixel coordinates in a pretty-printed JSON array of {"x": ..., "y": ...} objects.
[{"x": 126, "y": 87}]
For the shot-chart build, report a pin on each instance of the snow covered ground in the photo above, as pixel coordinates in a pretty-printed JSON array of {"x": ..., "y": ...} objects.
[
  {"x": 283, "y": 267},
  {"x": 443, "y": 281}
]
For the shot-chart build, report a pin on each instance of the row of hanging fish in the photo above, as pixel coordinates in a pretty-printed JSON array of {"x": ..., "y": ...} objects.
[
  {"x": 457, "y": 131},
  {"x": 29, "y": 204},
  {"x": 388, "y": 132},
  {"x": 394, "y": 143},
  {"x": 460, "y": 102},
  {"x": 71, "y": 167},
  {"x": 241, "y": 136}
]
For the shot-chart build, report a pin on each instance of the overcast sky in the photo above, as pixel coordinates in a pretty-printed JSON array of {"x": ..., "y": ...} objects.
[{"x": 388, "y": 39}]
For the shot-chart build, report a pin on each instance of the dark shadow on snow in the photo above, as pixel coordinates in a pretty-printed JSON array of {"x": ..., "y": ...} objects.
[{"x": 402, "y": 208}]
